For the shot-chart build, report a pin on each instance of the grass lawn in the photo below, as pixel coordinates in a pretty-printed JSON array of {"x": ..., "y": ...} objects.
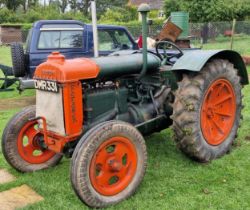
[
  {"x": 172, "y": 180},
  {"x": 241, "y": 44},
  {"x": 5, "y": 59}
]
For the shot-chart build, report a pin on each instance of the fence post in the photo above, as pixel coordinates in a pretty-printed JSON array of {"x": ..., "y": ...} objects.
[{"x": 232, "y": 36}]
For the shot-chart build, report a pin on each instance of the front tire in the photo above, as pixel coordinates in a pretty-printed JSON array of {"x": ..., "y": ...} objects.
[
  {"x": 207, "y": 111},
  {"x": 108, "y": 164},
  {"x": 20, "y": 144}
]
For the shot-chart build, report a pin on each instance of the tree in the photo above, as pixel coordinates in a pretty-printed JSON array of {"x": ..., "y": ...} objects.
[
  {"x": 12, "y": 4},
  {"x": 73, "y": 5},
  {"x": 83, "y": 6},
  {"x": 32, "y": 3},
  {"x": 210, "y": 10},
  {"x": 63, "y": 5},
  {"x": 120, "y": 14},
  {"x": 103, "y": 5},
  {"x": 171, "y": 6}
]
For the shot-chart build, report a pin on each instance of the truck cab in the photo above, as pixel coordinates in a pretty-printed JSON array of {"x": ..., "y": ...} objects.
[{"x": 71, "y": 38}]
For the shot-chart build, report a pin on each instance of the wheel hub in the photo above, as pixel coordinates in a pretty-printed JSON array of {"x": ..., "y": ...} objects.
[
  {"x": 218, "y": 112},
  {"x": 113, "y": 166},
  {"x": 29, "y": 145}
]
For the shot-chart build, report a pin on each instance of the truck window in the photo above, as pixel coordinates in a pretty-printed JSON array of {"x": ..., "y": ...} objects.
[
  {"x": 105, "y": 41},
  {"x": 112, "y": 40},
  {"x": 60, "y": 39}
]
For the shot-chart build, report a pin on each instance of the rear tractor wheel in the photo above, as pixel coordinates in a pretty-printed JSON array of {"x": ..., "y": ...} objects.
[
  {"x": 108, "y": 164},
  {"x": 207, "y": 111},
  {"x": 21, "y": 144}
]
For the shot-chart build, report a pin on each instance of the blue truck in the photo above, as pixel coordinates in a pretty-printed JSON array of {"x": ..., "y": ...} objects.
[{"x": 72, "y": 38}]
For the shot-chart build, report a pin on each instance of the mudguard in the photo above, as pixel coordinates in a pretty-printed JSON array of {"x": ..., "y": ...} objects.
[{"x": 194, "y": 60}]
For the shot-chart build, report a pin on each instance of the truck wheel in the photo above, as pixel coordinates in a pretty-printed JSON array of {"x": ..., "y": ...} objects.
[
  {"x": 108, "y": 164},
  {"x": 18, "y": 60},
  {"x": 207, "y": 111},
  {"x": 21, "y": 146}
]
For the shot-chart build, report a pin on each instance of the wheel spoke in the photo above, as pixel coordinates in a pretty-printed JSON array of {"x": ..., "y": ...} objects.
[
  {"x": 223, "y": 114},
  {"x": 104, "y": 177},
  {"x": 101, "y": 157},
  {"x": 219, "y": 89},
  {"x": 29, "y": 149},
  {"x": 120, "y": 151},
  {"x": 222, "y": 100},
  {"x": 31, "y": 133},
  {"x": 217, "y": 126},
  {"x": 207, "y": 126},
  {"x": 124, "y": 172}
]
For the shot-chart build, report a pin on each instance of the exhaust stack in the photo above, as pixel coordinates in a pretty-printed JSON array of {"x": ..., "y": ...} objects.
[{"x": 144, "y": 9}]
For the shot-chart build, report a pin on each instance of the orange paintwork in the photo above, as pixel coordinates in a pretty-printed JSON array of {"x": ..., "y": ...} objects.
[
  {"x": 113, "y": 166},
  {"x": 27, "y": 145},
  {"x": 73, "y": 107},
  {"x": 57, "y": 142},
  {"x": 218, "y": 112},
  {"x": 54, "y": 141},
  {"x": 68, "y": 73},
  {"x": 59, "y": 69}
]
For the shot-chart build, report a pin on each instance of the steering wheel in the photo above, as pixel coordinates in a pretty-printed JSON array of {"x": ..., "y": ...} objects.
[{"x": 165, "y": 57}]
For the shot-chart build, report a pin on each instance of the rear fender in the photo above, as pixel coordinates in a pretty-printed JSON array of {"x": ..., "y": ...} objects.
[{"x": 195, "y": 60}]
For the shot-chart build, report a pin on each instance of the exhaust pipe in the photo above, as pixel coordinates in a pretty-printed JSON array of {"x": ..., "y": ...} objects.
[
  {"x": 144, "y": 9},
  {"x": 94, "y": 26}
]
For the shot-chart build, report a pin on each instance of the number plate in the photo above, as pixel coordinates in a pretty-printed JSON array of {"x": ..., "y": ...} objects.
[{"x": 46, "y": 85}]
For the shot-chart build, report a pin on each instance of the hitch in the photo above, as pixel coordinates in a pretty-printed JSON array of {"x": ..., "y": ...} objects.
[{"x": 7, "y": 71}]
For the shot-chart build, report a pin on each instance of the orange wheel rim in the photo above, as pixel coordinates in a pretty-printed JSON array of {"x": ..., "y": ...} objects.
[
  {"x": 113, "y": 166},
  {"x": 218, "y": 112},
  {"x": 28, "y": 147}
]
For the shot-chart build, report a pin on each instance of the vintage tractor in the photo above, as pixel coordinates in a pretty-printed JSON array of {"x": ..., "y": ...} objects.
[{"x": 97, "y": 111}]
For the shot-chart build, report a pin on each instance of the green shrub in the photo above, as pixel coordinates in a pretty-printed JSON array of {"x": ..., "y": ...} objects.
[
  {"x": 7, "y": 16},
  {"x": 119, "y": 14}
]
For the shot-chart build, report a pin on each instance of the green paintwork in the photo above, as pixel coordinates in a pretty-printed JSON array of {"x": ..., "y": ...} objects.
[
  {"x": 194, "y": 60},
  {"x": 181, "y": 19},
  {"x": 115, "y": 66},
  {"x": 144, "y": 9},
  {"x": 100, "y": 102},
  {"x": 169, "y": 79}
]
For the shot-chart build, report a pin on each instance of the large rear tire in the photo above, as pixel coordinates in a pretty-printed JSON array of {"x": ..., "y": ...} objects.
[
  {"x": 108, "y": 164},
  {"x": 18, "y": 60},
  {"x": 20, "y": 144},
  {"x": 207, "y": 111}
]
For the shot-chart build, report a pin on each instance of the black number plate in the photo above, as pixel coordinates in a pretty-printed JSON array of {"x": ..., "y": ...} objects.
[{"x": 45, "y": 85}]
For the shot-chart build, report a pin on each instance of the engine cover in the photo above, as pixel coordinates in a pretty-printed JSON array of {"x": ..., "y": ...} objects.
[{"x": 59, "y": 97}]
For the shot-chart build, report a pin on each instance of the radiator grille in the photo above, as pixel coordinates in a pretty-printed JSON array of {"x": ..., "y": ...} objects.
[{"x": 50, "y": 106}]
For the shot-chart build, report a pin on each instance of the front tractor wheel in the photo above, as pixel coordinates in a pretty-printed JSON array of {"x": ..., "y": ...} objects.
[
  {"x": 21, "y": 144},
  {"x": 207, "y": 111},
  {"x": 108, "y": 164}
]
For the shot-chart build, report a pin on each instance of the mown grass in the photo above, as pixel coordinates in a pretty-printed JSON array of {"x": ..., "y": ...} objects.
[
  {"x": 5, "y": 59},
  {"x": 172, "y": 181}
]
